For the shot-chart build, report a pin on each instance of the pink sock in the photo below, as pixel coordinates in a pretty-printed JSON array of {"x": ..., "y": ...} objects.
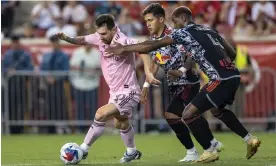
[
  {"x": 95, "y": 131},
  {"x": 128, "y": 138}
]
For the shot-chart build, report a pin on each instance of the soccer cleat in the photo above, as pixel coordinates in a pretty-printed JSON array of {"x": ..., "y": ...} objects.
[
  {"x": 85, "y": 154},
  {"x": 84, "y": 149},
  {"x": 128, "y": 158},
  {"x": 190, "y": 157},
  {"x": 219, "y": 146},
  {"x": 252, "y": 147},
  {"x": 208, "y": 157}
]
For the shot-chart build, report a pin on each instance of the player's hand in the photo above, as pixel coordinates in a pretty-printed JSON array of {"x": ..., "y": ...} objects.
[
  {"x": 174, "y": 74},
  {"x": 60, "y": 35},
  {"x": 117, "y": 50},
  {"x": 152, "y": 80},
  {"x": 144, "y": 95}
]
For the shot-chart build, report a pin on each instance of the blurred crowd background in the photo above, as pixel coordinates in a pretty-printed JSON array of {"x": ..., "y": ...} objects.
[
  {"x": 42, "y": 19},
  {"x": 50, "y": 86}
]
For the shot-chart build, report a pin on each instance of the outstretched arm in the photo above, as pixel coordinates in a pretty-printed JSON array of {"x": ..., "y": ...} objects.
[
  {"x": 79, "y": 40},
  {"x": 149, "y": 45},
  {"x": 143, "y": 47}
]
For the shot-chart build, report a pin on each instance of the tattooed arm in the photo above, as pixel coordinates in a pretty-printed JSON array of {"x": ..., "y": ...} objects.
[{"x": 79, "y": 40}]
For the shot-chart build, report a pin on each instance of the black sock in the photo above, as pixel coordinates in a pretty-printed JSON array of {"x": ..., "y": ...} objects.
[
  {"x": 232, "y": 122},
  {"x": 209, "y": 135},
  {"x": 182, "y": 132},
  {"x": 200, "y": 130}
]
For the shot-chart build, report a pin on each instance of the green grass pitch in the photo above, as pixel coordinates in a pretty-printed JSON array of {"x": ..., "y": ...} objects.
[{"x": 43, "y": 150}]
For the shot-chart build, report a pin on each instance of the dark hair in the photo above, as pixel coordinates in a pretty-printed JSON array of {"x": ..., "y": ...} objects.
[
  {"x": 155, "y": 9},
  {"x": 15, "y": 38},
  {"x": 105, "y": 20},
  {"x": 183, "y": 10},
  {"x": 53, "y": 39}
]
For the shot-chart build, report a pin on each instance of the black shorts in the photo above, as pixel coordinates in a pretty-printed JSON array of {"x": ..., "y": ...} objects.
[
  {"x": 181, "y": 96},
  {"x": 216, "y": 94}
]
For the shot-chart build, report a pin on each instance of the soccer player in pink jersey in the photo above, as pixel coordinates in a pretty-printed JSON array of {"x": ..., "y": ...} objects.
[{"x": 119, "y": 73}]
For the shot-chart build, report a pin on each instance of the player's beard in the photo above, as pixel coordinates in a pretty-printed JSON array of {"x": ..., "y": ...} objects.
[{"x": 106, "y": 41}]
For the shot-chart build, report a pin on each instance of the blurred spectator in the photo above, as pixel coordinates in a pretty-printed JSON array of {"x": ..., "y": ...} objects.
[
  {"x": 231, "y": 10},
  {"x": 44, "y": 14},
  {"x": 129, "y": 26},
  {"x": 111, "y": 7},
  {"x": 265, "y": 7},
  {"x": 221, "y": 15},
  {"x": 263, "y": 26},
  {"x": 199, "y": 19},
  {"x": 7, "y": 16},
  {"x": 209, "y": 10},
  {"x": 28, "y": 31},
  {"x": 56, "y": 60},
  {"x": 16, "y": 59},
  {"x": 85, "y": 62},
  {"x": 243, "y": 28},
  {"x": 135, "y": 10},
  {"x": 75, "y": 13},
  {"x": 61, "y": 26}
]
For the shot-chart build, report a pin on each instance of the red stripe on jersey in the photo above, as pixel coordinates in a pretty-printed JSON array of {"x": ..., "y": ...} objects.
[{"x": 212, "y": 86}]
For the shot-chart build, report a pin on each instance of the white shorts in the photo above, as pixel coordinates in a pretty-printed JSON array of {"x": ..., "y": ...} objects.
[{"x": 125, "y": 101}]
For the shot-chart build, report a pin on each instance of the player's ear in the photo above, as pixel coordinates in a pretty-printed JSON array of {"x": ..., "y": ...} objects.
[
  {"x": 114, "y": 29},
  {"x": 161, "y": 19},
  {"x": 183, "y": 17}
]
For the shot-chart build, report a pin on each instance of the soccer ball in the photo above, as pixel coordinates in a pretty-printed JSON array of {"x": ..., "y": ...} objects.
[{"x": 70, "y": 153}]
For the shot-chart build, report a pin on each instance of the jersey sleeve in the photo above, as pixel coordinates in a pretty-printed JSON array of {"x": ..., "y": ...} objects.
[
  {"x": 92, "y": 39},
  {"x": 181, "y": 36}
]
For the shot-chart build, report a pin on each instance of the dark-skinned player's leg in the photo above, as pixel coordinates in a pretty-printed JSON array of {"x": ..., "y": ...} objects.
[
  {"x": 227, "y": 90},
  {"x": 232, "y": 122},
  {"x": 215, "y": 96},
  {"x": 200, "y": 129},
  {"x": 183, "y": 95}
]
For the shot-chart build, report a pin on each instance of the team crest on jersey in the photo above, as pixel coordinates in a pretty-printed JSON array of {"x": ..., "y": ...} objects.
[{"x": 161, "y": 59}]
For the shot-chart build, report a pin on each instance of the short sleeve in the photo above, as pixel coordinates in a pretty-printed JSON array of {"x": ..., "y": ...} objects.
[
  {"x": 36, "y": 9},
  {"x": 66, "y": 13},
  {"x": 55, "y": 10},
  {"x": 92, "y": 39},
  {"x": 181, "y": 36}
]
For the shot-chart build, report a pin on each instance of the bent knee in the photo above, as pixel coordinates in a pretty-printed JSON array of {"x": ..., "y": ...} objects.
[
  {"x": 216, "y": 111},
  {"x": 169, "y": 115},
  {"x": 117, "y": 124},
  {"x": 101, "y": 116},
  {"x": 189, "y": 112},
  {"x": 121, "y": 124}
]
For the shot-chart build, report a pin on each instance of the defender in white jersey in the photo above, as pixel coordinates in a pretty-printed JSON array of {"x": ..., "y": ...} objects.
[{"x": 119, "y": 73}]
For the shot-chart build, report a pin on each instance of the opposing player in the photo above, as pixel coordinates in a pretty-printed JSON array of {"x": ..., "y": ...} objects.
[
  {"x": 214, "y": 57},
  {"x": 119, "y": 73},
  {"x": 182, "y": 89}
]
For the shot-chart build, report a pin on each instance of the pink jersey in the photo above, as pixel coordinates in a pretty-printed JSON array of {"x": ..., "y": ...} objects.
[{"x": 119, "y": 72}]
